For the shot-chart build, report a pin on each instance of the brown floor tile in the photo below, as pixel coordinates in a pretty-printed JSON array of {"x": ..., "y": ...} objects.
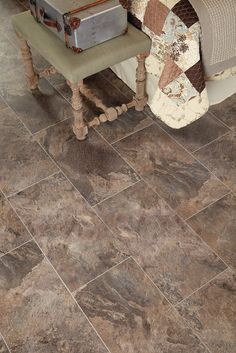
[
  {"x": 74, "y": 239},
  {"x": 219, "y": 157},
  {"x": 12, "y": 231},
  {"x": 37, "y": 313},
  {"x": 217, "y": 226},
  {"x": 197, "y": 134},
  {"x": 126, "y": 124},
  {"x": 92, "y": 165},
  {"x": 111, "y": 77},
  {"x": 130, "y": 314},
  {"x": 226, "y": 111},
  {"x": 3, "y": 347},
  {"x": 9, "y": 56},
  {"x": 182, "y": 181},
  {"x": 176, "y": 260},
  {"x": 22, "y": 161},
  {"x": 212, "y": 313},
  {"x": 2, "y": 104},
  {"x": 7, "y": 9},
  {"x": 37, "y": 109}
]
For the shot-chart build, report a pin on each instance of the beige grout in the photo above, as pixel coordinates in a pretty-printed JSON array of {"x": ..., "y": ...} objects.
[
  {"x": 1, "y": 335},
  {"x": 117, "y": 193},
  {"x": 204, "y": 285},
  {"x": 210, "y": 204},
  {"x": 33, "y": 184},
  {"x": 132, "y": 133},
  {"x": 211, "y": 142},
  {"x": 103, "y": 273},
  {"x": 17, "y": 247},
  {"x": 222, "y": 122}
]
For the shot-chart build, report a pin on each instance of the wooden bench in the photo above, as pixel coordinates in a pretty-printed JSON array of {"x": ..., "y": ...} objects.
[{"x": 75, "y": 67}]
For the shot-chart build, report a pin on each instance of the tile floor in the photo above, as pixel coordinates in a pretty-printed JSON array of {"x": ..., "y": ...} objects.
[{"x": 124, "y": 243}]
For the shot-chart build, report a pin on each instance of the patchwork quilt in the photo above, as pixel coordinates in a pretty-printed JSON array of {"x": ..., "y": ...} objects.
[{"x": 175, "y": 59}]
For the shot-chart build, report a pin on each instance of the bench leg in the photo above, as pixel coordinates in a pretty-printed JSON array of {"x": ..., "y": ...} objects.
[
  {"x": 79, "y": 127},
  {"x": 31, "y": 76},
  {"x": 141, "y": 96}
]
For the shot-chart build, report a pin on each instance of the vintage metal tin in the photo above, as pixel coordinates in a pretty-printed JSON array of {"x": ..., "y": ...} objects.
[{"x": 81, "y": 24}]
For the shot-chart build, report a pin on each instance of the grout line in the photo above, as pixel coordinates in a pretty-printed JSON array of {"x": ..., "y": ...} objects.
[
  {"x": 117, "y": 193},
  {"x": 205, "y": 284},
  {"x": 66, "y": 287},
  {"x": 209, "y": 143},
  {"x": 192, "y": 155},
  {"x": 218, "y": 119},
  {"x": 1, "y": 335},
  {"x": 173, "y": 210},
  {"x": 131, "y": 133},
  {"x": 29, "y": 186},
  {"x": 49, "y": 126},
  {"x": 204, "y": 208},
  {"x": 97, "y": 277},
  {"x": 17, "y": 247},
  {"x": 9, "y": 107},
  {"x": 118, "y": 153},
  {"x": 172, "y": 306}
]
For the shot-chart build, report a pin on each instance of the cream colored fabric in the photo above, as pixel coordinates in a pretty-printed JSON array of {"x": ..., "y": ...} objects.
[
  {"x": 217, "y": 91},
  {"x": 73, "y": 66},
  {"x": 218, "y": 23}
]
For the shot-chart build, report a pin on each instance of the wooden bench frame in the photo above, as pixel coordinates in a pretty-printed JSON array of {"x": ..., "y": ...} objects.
[{"x": 80, "y": 126}]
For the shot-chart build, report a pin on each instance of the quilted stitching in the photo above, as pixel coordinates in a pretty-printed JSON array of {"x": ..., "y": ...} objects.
[
  {"x": 155, "y": 16},
  {"x": 196, "y": 76},
  {"x": 184, "y": 10}
]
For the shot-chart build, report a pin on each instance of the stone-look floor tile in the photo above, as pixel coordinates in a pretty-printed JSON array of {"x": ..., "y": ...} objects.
[
  {"x": 22, "y": 161},
  {"x": 2, "y": 104},
  {"x": 219, "y": 157},
  {"x": 226, "y": 111},
  {"x": 37, "y": 313},
  {"x": 69, "y": 232},
  {"x": 9, "y": 56},
  {"x": 166, "y": 248},
  {"x": 131, "y": 315},
  {"x": 37, "y": 109},
  {"x": 3, "y": 347},
  {"x": 212, "y": 313},
  {"x": 181, "y": 180},
  {"x": 12, "y": 231},
  {"x": 91, "y": 165},
  {"x": 217, "y": 226},
  {"x": 197, "y": 134},
  {"x": 111, "y": 77},
  {"x": 7, "y": 9},
  {"x": 125, "y": 125}
]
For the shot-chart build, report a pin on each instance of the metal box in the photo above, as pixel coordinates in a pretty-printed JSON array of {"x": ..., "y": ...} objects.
[{"x": 81, "y": 24}]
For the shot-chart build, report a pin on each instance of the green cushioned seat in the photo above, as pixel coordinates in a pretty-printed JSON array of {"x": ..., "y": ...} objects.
[{"x": 75, "y": 66}]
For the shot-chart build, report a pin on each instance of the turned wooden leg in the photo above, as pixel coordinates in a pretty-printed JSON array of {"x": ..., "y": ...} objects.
[
  {"x": 79, "y": 127},
  {"x": 141, "y": 96},
  {"x": 31, "y": 76}
]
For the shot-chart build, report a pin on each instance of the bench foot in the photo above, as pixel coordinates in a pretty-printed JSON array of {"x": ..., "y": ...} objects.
[
  {"x": 79, "y": 127},
  {"x": 31, "y": 76},
  {"x": 141, "y": 96}
]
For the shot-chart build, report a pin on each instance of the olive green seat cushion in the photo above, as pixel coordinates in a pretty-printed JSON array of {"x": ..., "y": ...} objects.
[{"x": 74, "y": 66}]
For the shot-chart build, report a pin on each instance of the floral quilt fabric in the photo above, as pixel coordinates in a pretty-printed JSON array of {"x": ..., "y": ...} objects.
[{"x": 175, "y": 61}]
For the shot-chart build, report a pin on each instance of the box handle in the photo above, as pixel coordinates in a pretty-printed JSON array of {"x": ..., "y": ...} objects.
[{"x": 49, "y": 22}]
